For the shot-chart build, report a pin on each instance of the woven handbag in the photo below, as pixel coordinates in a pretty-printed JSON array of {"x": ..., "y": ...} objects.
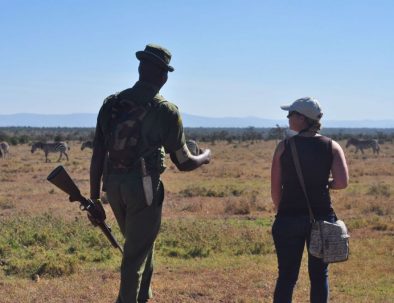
[{"x": 328, "y": 241}]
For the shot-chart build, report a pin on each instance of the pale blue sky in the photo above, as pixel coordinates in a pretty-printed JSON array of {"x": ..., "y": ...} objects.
[{"x": 231, "y": 58}]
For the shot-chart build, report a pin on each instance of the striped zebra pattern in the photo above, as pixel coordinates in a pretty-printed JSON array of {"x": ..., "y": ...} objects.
[
  {"x": 87, "y": 144},
  {"x": 4, "y": 149},
  {"x": 51, "y": 147},
  {"x": 364, "y": 144}
]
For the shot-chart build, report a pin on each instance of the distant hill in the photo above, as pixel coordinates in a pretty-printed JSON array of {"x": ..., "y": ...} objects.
[
  {"x": 41, "y": 120},
  {"x": 89, "y": 120}
]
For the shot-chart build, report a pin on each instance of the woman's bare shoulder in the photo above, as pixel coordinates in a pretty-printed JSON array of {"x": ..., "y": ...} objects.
[{"x": 336, "y": 147}]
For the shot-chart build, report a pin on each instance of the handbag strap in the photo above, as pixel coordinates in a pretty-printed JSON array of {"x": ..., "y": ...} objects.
[{"x": 297, "y": 165}]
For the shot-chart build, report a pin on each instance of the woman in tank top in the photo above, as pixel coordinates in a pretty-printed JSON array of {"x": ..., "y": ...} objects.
[{"x": 319, "y": 157}]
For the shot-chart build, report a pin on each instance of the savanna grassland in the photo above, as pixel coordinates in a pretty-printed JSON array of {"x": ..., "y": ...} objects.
[{"x": 215, "y": 243}]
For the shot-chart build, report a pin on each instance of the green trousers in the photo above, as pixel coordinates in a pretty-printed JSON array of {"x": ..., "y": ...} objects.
[{"x": 140, "y": 225}]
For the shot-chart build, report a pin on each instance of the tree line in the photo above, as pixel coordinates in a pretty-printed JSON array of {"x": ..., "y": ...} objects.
[{"x": 26, "y": 135}]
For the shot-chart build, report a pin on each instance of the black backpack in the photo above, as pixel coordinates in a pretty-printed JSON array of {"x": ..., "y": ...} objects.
[{"x": 122, "y": 130}]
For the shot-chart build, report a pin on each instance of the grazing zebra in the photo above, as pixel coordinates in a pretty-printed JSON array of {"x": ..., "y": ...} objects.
[
  {"x": 52, "y": 147},
  {"x": 363, "y": 144},
  {"x": 87, "y": 144},
  {"x": 4, "y": 149}
]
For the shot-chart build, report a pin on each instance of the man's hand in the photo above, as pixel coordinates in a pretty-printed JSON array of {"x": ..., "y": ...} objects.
[{"x": 98, "y": 211}]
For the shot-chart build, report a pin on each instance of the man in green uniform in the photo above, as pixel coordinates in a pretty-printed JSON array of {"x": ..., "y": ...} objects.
[{"x": 134, "y": 129}]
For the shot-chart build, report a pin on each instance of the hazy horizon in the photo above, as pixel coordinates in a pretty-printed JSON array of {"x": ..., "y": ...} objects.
[{"x": 89, "y": 120}]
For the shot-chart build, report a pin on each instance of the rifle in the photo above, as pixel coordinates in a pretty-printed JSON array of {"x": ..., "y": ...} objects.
[{"x": 60, "y": 178}]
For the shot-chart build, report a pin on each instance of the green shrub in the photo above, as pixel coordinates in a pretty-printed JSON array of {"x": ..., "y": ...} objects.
[
  {"x": 52, "y": 247},
  {"x": 5, "y": 204},
  {"x": 379, "y": 189},
  {"x": 214, "y": 191},
  {"x": 194, "y": 238}
]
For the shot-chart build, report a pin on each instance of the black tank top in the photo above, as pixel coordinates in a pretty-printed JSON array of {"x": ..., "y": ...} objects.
[{"x": 315, "y": 154}]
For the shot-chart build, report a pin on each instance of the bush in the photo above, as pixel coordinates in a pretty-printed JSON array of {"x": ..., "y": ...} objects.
[
  {"x": 237, "y": 207},
  {"x": 51, "y": 247},
  {"x": 379, "y": 189},
  {"x": 217, "y": 191},
  {"x": 191, "y": 238}
]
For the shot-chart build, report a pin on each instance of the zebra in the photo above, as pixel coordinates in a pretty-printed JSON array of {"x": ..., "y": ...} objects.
[
  {"x": 52, "y": 147},
  {"x": 87, "y": 144},
  {"x": 4, "y": 149},
  {"x": 362, "y": 144}
]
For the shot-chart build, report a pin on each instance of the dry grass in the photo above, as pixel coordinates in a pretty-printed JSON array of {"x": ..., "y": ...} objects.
[{"x": 215, "y": 245}]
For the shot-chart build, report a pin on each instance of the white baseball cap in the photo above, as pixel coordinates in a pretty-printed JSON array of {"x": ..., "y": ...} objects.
[{"x": 307, "y": 106}]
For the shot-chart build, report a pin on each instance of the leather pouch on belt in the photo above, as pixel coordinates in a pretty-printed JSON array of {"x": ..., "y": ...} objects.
[{"x": 146, "y": 183}]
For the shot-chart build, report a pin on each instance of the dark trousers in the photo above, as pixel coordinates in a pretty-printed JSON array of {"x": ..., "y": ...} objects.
[{"x": 290, "y": 234}]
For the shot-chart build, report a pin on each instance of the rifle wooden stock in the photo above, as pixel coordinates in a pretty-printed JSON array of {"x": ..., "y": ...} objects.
[{"x": 60, "y": 178}]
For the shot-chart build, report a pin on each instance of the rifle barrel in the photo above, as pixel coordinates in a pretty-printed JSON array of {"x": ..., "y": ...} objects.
[{"x": 107, "y": 232}]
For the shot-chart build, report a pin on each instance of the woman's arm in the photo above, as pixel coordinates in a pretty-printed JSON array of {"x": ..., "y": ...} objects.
[
  {"x": 339, "y": 168},
  {"x": 276, "y": 176}
]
